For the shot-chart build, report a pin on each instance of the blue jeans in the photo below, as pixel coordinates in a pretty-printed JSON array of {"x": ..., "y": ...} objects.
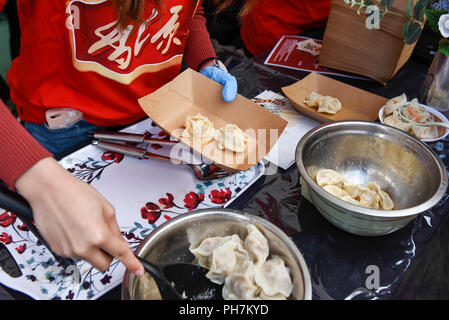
[{"x": 60, "y": 142}]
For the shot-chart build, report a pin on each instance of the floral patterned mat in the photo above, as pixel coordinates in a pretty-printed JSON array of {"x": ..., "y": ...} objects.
[{"x": 145, "y": 193}]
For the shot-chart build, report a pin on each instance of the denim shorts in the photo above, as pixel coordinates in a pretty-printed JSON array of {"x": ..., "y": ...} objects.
[{"x": 61, "y": 142}]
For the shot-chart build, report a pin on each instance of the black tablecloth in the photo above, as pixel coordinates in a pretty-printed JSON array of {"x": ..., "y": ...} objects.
[{"x": 412, "y": 261}]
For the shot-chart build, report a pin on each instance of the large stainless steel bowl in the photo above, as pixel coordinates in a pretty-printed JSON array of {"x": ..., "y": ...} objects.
[
  {"x": 170, "y": 242},
  {"x": 407, "y": 169}
]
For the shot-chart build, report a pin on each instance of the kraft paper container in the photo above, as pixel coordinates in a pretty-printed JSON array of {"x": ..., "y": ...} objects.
[
  {"x": 357, "y": 104},
  {"x": 349, "y": 46},
  {"x": 191, "y": 93}
]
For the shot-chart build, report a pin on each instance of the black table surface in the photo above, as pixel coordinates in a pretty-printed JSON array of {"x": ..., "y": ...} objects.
[{"x": 412, "y": 261}]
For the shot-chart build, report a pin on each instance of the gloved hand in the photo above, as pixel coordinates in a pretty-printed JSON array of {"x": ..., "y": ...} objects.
[{"x": 224, "y": 78}]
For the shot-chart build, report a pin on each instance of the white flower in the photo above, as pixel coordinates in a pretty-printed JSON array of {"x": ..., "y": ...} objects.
[{"x": 443, "y": 24}]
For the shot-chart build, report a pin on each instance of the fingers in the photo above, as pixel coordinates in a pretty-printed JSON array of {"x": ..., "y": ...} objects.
[
  {"x": 119, "y": 248},
  {"x": 116, "y": 246},
  {"x": 222, "y": 77},
  {"x": 99, "y": 259}
]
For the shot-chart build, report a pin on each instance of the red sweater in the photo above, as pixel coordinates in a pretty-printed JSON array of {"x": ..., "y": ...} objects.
[
  {"x": 73, "y": 56},
  {"x": 90, "y": 68},
  {"x": 270, "y": 20},
  {"x": 18, "y": 148}
]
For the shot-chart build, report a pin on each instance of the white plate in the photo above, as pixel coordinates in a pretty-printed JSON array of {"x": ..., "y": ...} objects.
[{"x": 436, "y": 113}]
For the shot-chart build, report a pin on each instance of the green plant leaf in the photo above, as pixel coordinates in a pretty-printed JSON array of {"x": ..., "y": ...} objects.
[
  {"x": 409, "y": 8},
  {"x": 419, "y": 10},
  {"x": 444, "y": 47},
  {"x": 433, "y": 16},
  {"x": 411, "y": 31}
]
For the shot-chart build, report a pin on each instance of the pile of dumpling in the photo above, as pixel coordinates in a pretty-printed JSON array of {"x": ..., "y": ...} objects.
[
  {"x": 408, "y": 117},
  {"x": 370, "y": 196},
  {"x": 325, "y": 104},
  {"x": 243, "y": 268},
  {"x": 201, "y": 130}
]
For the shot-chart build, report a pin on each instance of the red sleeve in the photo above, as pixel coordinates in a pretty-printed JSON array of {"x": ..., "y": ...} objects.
[
  {"x": 198, "y": 46},
  {"x": 2, "y": 4},
  {"x": 19, "y": 150}
]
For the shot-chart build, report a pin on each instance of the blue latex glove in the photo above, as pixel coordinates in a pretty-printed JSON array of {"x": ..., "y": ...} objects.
[{"x": 225, "y": 79}]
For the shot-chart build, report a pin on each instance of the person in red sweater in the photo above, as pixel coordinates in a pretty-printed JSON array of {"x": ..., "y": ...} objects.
[
  {"x": 97, "y": 57},
  {"x": 267, "y": 22}
]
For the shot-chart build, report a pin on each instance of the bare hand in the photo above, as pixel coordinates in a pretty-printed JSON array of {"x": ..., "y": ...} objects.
[{"x": 74, "y": 218}]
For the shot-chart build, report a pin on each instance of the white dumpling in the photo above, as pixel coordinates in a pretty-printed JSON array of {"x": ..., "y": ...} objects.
[
  {"x": 273, "y": 278},
  {"x": 394, "y": 121},
  {"x": 430, "y": 132},
  {"x": 328, "y": 176},
  {"x": 199, "y": 129},
  {"x": 231, "y": 137},
  {"x": 415, "y": 112},
  {"x": 395, "y": 104},
  {"x": 205, "y": 249},
  {"x": 225, "y": 258},
  {"x": 368, "y": 199},
  {"x": 241, "y": 285},
  {"x": 312, "y": 99},
  {"x": 385, "y": 201},
  {"x": 329, "y": 105},
  {"x": 336, "y": 191},
  {"x": 256, "y": 244},
  {"x": 365, "y": 197}
]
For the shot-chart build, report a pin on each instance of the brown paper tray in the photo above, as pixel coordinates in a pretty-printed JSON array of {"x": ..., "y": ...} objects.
[
  {"x": 357, "y": 104},
  {"x": 191, "y": 93}
]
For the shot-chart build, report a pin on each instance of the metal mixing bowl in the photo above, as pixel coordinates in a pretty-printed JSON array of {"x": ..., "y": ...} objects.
[
  {"x": 170, "y": 242},
  {"x": 406, "y": 168}
]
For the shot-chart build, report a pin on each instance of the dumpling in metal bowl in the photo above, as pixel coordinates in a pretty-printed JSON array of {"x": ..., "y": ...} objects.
[
  {"x": 328, "y": 176},
  {"x": 225, "y": 258},
  {"x": 241, "y": 285},
  {"x": 205, "y": 249},
  {"x": 256, "y": 244},
  {"x": 273, "y": 277}
]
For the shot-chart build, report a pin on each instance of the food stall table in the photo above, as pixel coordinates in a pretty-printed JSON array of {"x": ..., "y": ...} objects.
[{"x": 411, "y": 261}]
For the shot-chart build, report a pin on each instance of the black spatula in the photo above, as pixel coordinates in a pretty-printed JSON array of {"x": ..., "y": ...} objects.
[{"x": 183, "y": 281}]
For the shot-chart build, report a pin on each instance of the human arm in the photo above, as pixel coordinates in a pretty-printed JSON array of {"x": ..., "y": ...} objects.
[
  {"x": 71, "y": 215},
  {"x": 2, "y": 4}
]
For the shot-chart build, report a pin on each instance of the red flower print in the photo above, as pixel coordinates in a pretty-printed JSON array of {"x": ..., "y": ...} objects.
[
  {"x": 70, "y": 295},
  {"x": 164, "y": 135},
  {"x": 150, "y": 212},
  {"x": 167, "y": 202},
  {"x": 192, "y": 200},
  {"x": 106, "y": 279},
  {"x": 156, "y": 146},
  {"x": 23, "y": 227},
  {"x": 220, "y": 196},
  {"x": 21, "y": 249},
  {"x": 7, "y": 219},
  {"x": 5, "y": 238},
  {"x": 109, "y": 155}
]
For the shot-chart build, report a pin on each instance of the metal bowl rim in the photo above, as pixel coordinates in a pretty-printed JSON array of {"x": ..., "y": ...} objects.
[
  {"x": 224, "y": 212},
  {"x": 436, "y": 197}
]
